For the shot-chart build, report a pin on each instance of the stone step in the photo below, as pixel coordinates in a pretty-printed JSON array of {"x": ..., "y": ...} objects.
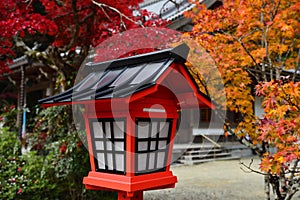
[
  {"x": 204, "y": 156},
  {"x": 201, "y": 152},
  {"x": 193, "y": 162},
  {"x": 197, "y": 153},
  {"x": 193, "y": 146}
]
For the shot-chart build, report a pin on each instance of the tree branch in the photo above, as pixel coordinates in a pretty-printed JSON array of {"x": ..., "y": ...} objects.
[
  {"x": 266, "y": 44},
  {"x": 276, "y": 8},
  {"x": 250, "y": 169},
  {"x": 77, "y": 27},
  {"x": 293, "y": 171},
  {"x": 200, "y": 80},
  {"x": 289, "y": 100},
  {"x": 287, "y": 53},
  {"x": 297, "y": 66},
  {"x": 91, "y": 14},
  {"x": 29, "y": 3},
  {"x": 239, "y": 40},
  {"x": 244, "y": 141},
  {"x": 105, "y": 13},
  {"x": 102, "y": 5},
  {"x": 174, "y": 2}
]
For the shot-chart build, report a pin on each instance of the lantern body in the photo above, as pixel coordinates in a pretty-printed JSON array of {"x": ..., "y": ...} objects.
[{"x": 130, "y": 143}]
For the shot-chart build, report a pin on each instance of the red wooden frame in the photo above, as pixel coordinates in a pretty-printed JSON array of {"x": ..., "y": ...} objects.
[{"x": 130, "y": 183}]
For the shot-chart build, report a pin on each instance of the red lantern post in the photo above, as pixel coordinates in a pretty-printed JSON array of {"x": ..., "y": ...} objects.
[{"x": 131, "y": 116}]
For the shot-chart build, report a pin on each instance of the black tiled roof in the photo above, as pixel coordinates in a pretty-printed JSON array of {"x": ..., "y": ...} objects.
[{"x": 122, "y": 77}]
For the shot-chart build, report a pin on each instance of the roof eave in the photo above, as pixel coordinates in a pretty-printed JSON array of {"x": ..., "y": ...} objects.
[{"x": 179, "y": 52}]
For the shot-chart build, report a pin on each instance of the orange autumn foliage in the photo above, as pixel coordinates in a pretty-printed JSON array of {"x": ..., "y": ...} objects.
[
  {"x": 281, "y": 126},
  {"x": 253, "y": 41}
]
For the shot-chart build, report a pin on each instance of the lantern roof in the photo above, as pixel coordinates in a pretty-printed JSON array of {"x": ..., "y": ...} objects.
[{"x": 123, "y": 77}]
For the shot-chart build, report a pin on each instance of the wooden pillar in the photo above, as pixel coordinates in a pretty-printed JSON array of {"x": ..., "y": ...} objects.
[
  {"x": 21, "y": 101},
  {"x": 130, "y": 195}
]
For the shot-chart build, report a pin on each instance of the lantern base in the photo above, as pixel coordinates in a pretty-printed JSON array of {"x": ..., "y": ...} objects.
[{"x": 105, "y": 181}]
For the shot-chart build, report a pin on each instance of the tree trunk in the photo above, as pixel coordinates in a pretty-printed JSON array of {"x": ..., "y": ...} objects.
[{"x": 267, "y": 187}]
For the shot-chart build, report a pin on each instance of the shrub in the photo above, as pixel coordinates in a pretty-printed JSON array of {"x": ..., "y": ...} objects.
[{"x": 55, "y": 165}]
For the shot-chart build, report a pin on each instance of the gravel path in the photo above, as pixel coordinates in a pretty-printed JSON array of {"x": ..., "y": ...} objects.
[{"x": 218, "y": 180}]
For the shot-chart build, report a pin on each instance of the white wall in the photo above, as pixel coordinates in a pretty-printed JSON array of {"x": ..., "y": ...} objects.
[{"x": 258, "y": 110}]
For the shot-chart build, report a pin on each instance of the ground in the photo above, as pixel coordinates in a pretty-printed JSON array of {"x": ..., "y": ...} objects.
[{"x": 213, "y": 181}]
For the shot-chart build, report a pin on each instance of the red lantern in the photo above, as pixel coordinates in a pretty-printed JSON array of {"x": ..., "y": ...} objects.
[{"x": 131, "y": 112}]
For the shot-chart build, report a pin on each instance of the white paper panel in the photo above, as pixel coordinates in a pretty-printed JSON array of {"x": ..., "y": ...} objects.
[
  {"x": 107, "y": 130},
  {"x": 101, "y": 161},
  {"x": 119, "y": 146},
  {"x": 153, "y": 145},
  {"x": 151, "y": 160},
  {"x": 162, "y": 145},
  {"x": 110, "y": 161},
  {"x": 120, "y": 162},
  {"x": 119, "y": 129},
  {"x": 99, "y": 145},
  {"x": 109, "y": 145},
  {"x": 143, "y": 129},
  {"x": 142, "y": 157},
  {"x": 154, "y": 130},
  {"x": 164, "y": 129},
  {"x": 97, "y": 128},
  {"x": 143, "y": 146},
  {"x": 160, "y": 159}
]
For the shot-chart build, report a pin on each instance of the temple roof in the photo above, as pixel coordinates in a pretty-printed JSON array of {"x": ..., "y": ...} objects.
[{"x": 172, "y": 10}]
